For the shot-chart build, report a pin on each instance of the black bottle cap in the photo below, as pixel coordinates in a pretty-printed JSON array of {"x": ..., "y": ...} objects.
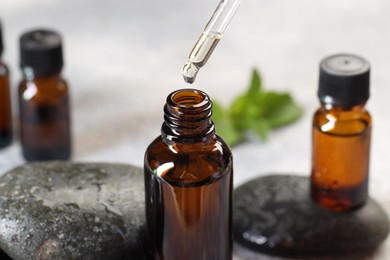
[
  {"x": 1, "y": 40},
  {"x": 344, "y": 80},
  {"x": 41, "y": 50}
]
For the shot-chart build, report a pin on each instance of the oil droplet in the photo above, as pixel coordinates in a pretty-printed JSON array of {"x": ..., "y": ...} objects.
[{"x": 189, "y": 72}]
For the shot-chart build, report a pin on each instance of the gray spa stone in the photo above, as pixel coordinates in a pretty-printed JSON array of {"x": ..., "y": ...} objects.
[
  {"x": 275, "y": 215},
  {"x": 63, "y": 210}
]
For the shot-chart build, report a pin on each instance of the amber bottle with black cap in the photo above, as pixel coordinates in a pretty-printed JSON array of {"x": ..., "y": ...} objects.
[
  {"x": 341, "y": 134},
  {"x": 5, "y": 100},
  {"x": 43, "y": 98},
  {"x": 188, "y": 183}
]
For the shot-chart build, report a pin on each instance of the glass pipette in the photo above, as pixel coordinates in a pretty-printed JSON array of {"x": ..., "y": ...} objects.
[{"x": 209, "y": 38}]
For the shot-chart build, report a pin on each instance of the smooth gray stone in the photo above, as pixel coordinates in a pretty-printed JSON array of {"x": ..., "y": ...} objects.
[
  {"x": 275, "y": 215},
  {"x": 64, "y": 210}
]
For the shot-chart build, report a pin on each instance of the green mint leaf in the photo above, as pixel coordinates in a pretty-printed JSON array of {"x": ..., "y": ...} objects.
[
  {"x": 278, "y": 108},
  {"x": 255, "y": 84},
  {"x": 285, "y": 114},
  {"x": 224, "y": 125},
  {"x": 268, "y": 102},
  {"x": 241, "y": 110},
  {"x": 245, "y": 106},
  {"x": 256, "y": 110},
  {"x": 261, "y": 127}
]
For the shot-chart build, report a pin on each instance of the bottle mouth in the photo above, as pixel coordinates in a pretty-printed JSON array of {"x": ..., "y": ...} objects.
[
  {"x": 187, "y": 115},
  {"x": 188, "y": 98}
]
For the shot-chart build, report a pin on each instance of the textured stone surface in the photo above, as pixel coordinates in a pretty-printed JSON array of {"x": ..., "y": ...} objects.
[
  {"x": 63, "y": 210},
  {"x": 274, "y": 214}
]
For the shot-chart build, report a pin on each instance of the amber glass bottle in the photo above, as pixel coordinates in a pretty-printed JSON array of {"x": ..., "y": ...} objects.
[
  {"x": 188, "y": 183},
  {"x": 5, "y": 101},
  {"x": 43, "y": 98},
  {"x": 341, "y": 134}
]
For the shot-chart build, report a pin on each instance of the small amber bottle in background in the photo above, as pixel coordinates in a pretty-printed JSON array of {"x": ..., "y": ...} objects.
[
  {"x": 43, "y": 98},
  {"x": 5, "y": 101},
  {"x": 341, "y": 134},
  {"x": 188, "y": 183}
]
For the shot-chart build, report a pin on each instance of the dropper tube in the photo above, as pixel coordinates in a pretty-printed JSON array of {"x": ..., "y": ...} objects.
[{"x": 209, "y": 38}]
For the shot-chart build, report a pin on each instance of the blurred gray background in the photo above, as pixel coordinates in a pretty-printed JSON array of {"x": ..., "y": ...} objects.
[{"x": 124, "y": 57}]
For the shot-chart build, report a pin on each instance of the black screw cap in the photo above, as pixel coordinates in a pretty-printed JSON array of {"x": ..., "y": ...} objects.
[
  {"x": 344, "y": 80},
  {"x": 41, "y": 50}
]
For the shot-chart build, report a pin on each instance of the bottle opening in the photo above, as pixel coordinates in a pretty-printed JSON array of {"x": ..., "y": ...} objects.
[
  {"x": 187, "y": 115},
  {"x": 189, "y": 98}
]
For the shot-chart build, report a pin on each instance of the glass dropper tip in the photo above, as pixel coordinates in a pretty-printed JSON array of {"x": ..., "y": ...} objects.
[{"x": 189, "y": 72}]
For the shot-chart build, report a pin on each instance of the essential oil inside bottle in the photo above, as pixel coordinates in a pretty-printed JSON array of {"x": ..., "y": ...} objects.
[{"x": 340, "y": 178}]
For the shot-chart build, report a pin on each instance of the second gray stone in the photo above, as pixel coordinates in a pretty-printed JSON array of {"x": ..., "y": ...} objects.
[{"x": 275, "y": 214}]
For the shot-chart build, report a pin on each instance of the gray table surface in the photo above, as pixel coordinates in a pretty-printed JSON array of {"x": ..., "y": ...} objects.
[{"x": 124, "y": 57}]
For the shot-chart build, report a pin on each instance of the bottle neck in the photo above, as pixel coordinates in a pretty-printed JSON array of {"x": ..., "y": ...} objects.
[
  {"x": 187, "y": 114},
  {"x": 342, "y": 113},
  {"x": 332, "y": 107},
  {"x": 29, "y": 75}
]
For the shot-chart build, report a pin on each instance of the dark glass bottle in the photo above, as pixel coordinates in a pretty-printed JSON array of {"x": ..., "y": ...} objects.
[
  {"x": 341, "y": 134},
  {"x": 43, "y": 98},
  {"x": 188, "y": 183},
  {"x": 5, "y": 101}
]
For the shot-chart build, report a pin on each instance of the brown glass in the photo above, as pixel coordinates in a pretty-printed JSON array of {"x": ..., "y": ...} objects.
[
  {"x": 5, "y": 107},
  {"x": 45, "y": 118},
  {"x": 188, "y": 184},
  {"x": 340, "y": 157}
]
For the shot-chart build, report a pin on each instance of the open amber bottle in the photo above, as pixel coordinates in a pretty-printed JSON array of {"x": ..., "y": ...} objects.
[
  {"x": 188, "y": 183},
  {"x": 341, "y": 134},
  {"x": 43, "y": 98},
  {"x": 5, "y": 101}
]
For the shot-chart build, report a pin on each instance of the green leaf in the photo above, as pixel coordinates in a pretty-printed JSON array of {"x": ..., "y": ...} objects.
[
  {"x": 255, "y": 84},
  {"x": 268, "y": 102},
  {"x": 245, "y": 107},
  {"x": 241, "y": 111},
  {"x": 239, "y": 106},
  {"x": 224, "y": 125},
  {"x": 256, "y": 110},
  {"x": 261, "y": 127},
  {"x": 285, "y": 114}
]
